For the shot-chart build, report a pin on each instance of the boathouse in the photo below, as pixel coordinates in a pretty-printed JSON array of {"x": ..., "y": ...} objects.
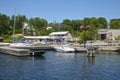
[
  {"x": 109, "y": 34},
  {"x": 58, "y": 35}
]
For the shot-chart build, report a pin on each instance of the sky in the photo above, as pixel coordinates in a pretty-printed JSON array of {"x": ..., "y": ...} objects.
[{"x": 58, "y": 10}]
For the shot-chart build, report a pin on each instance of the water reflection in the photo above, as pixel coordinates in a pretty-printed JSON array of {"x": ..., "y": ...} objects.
[
  {"x": 38, "y": 57},
  {"x": 91, "y": 60}
]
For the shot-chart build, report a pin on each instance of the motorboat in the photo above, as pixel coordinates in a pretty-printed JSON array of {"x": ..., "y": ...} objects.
[{"x": 64, "y": 49}]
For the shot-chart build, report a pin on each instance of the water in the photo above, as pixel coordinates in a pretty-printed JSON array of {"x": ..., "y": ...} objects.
[{"x": 61, "y": 66}]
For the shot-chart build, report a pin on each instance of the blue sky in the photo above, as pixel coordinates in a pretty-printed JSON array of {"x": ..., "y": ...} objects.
[{"x": 58, "y": 10}]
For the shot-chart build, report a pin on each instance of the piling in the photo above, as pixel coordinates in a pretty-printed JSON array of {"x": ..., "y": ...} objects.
[{"x": 90, "y": 51}]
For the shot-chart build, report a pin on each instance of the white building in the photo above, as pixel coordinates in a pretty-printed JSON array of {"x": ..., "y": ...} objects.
[
  {"x": 53, "y": 38},
  {"x": 58, "y": 35},
  {"x": 48, "y": 28},
  {"x": 36, "y": 38},
  {"x": 109, "y": 34}
]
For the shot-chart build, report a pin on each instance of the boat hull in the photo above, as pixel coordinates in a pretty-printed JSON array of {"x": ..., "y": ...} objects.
[{"x": 64, "y": 49}]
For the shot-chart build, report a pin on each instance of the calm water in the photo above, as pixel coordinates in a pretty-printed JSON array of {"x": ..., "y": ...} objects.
[{"x": 61, "y": 66}]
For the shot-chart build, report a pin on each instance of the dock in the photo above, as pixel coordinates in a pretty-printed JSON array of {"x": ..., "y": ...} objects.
[
  {"x": 4, "y": 44},
  {"x": 13, "y": 51},
  {"x": 108, "y": 48},
  {"x": 80, "y": 49},
  {"x": 25, "y": 50}
]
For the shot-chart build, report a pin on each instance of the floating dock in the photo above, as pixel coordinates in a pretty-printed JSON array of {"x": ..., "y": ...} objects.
[
  {"x": 25, "y": 50},
  {"x": 14, "y": 51},
  {"x": 80, "y": 49},
  {"x": 4, "y": 44}
]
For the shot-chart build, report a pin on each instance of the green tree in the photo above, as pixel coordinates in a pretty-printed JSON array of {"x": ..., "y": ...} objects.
[
  {"x": 4, "y": 25},
  {"x": 102, "y": 23},
  {"x": 67, "y": 22},
  {"x": 38, "y": 24},
  {"x": 115, "y": 23},
  {"x": 19, "y": 20},
  {"x": 76, "y": 24}
]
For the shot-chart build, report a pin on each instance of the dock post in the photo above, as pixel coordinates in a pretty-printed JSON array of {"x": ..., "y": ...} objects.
[
  {"x": 90, "y": 51},
  {"x": 91, "y": 55},
  {"x": 91, "y": 60},
  {"x": 32, "y": 54}
]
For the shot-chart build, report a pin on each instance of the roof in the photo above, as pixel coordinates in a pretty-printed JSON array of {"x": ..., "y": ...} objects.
[
  {"x": 36, "y": 37},
  {"x": 114, "y": 30},
  {"x": 59, "y": 33},
  {"x": 102, "y": 31}
]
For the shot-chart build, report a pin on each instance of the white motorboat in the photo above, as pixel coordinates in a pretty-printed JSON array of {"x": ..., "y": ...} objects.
[{"x": 64, "y": 49}]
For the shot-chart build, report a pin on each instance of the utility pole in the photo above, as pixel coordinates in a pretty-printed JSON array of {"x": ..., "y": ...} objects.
[{"x": 14, "y": 26}]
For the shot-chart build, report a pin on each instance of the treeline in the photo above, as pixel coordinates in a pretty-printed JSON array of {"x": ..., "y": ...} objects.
[{"x": 39, "y": 26}]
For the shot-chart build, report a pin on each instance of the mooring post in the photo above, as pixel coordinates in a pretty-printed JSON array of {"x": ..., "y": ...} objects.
[
  {"x": 91, "y": 51},
  {"x": 33, "y": 53}
]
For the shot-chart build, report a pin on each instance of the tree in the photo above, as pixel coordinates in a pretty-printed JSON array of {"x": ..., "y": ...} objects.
[
  {"x": 67, "y": 22},
  {"x": 115, "y": 23},
  {"x": 19, "y": 20},
  {"x": 75, "y": 24},
  {"x": 4, "y": 24},
  {"x": 102, "y": 23},
  {"x": 38, "y": 24}
]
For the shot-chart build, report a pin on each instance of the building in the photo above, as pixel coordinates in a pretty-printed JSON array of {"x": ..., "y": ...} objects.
[
  {"x": 36, "y": 37},
  {"x": 42, "y": 39},
  {"x": 1, "y": 39},
  {"x": 53, "y": 38},
  {"x": 109, "y": 34},
  {"x": 48, "y": 28},
  {"x": 61, "y": 35}
]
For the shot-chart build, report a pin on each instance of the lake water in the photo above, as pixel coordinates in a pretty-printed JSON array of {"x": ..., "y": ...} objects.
[{"x": 61, "y": 66}]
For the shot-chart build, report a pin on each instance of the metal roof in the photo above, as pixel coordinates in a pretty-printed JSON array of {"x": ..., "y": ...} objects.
[
  {"x": 59, "y": 33},
  {"x": 36, "y": 37}
]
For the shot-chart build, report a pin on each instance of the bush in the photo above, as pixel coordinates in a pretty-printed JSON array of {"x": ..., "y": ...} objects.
[
  {"x": 8, "y": 41},
  {"x": 19, "y": 36}
]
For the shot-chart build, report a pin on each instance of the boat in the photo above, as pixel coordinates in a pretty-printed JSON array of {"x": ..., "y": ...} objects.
[{"x": 64, "y": 49}]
